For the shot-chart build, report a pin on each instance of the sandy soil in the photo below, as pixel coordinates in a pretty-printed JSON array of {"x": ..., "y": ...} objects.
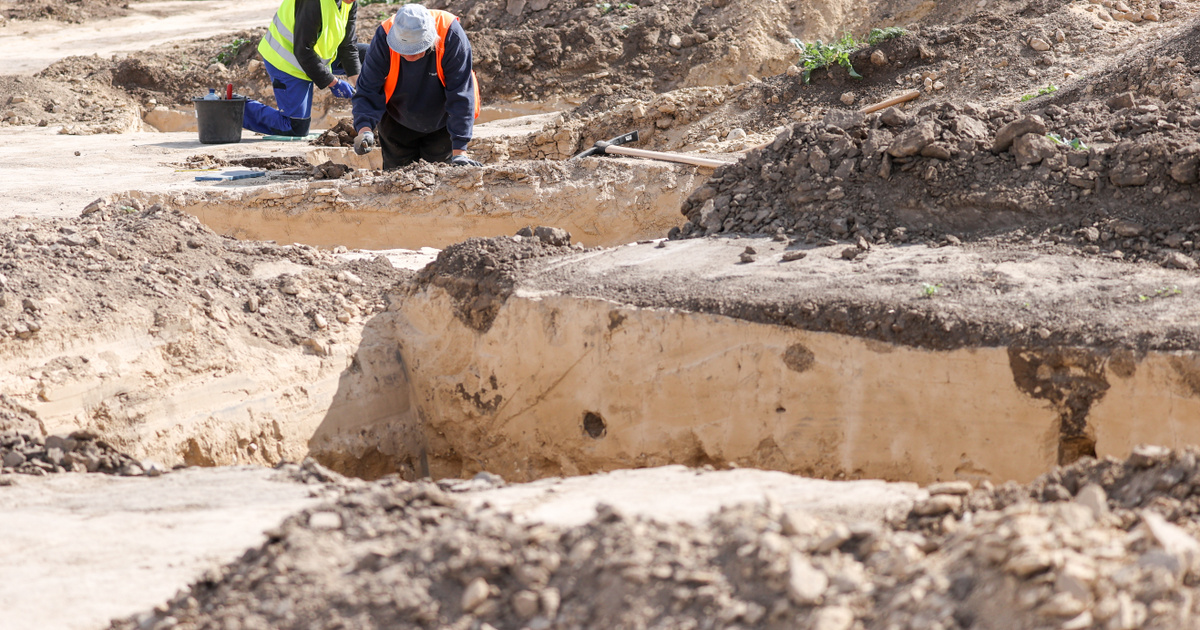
[
  {"x": 125, "y": 543},
  {"x": 951, "y": 223},
  {"x": 106, "y": 164},
  {"x": 28, "y": 47}
]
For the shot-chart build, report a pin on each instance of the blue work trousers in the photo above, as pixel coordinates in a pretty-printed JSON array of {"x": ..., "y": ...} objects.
[{"x": 294, "y": 98}]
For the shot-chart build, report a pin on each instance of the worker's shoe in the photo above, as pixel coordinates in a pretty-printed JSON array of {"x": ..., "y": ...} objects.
[{"x": 300, "y": 126}]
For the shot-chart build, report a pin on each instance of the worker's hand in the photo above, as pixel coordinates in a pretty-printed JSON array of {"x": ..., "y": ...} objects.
[
  {"x": 342, "y": 88},
  {"x": 462, "y": 160},
  {"x": 364, "y": 142}
]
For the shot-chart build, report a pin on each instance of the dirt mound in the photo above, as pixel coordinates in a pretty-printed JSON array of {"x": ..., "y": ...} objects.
[
  {"x": 1109, "y": 181},
  {"x": 83, "y": 107},
  {"x": 81, "y": 451},
  {"x": 1152, "y": 478},
  {"x": 407, "y": 555},
  {"x": 533, "y": 49},
  {"x": 481, "y": 272},
  {"x": 173, "y": 73},
  {"x": 118, "y": 254},
  {"x": 1165, "y": 70},
  {"x": 340, "y": 135},
  {"x": 195, "y": 306},
  {"x": 75, "y": 11},
  {"x": 15, "y": 417}
]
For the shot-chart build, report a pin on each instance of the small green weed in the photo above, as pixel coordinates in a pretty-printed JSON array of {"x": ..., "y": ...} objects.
[
  {"x": 878, "y": 35},
  {"x": 1074, "y": 143},
  {"x": 929, "y": 290},
  {"x": 609, "y": 7},
  {"x": 1049, "y": 89},
  {"x": 1161, "y": 292},
  {"x": 817, "y": 55},
  {"x": 229, "y": 51}
]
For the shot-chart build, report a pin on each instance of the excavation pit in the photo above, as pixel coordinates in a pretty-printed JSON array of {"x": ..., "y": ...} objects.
[
  {"x": 645, "y": 355},
  {"x": 601, "y": 202}
]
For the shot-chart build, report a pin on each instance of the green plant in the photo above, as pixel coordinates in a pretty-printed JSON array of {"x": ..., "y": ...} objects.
[
  {"x": 1161, "y": 292},
  {"x": 1049, "y": 89},
  {"x": 608, "y": 7},
  {"x": 230, "y": 50},
  {"x": 1074, "y": 143},
  {"x": 818, "y": 54},
  {"x": 929, "y": 290},
  {"x": 878, "y": 35}
]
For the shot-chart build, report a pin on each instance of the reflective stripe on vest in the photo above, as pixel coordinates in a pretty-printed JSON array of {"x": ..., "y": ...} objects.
[
  {"x": 278, "y": 45},
  {"x": 442, "y": 20}
]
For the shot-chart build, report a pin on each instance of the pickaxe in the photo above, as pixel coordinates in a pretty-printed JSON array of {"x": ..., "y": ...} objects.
[{"x": 614, "y": 147}]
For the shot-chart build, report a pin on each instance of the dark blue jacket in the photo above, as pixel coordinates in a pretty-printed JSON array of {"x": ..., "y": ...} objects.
[{"x": 420, "y": 102}]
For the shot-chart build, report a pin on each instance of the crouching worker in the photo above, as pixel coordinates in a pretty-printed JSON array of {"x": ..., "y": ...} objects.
[
  {"x": 307, "y": 43},
  {"x": 417, "y": 90}
]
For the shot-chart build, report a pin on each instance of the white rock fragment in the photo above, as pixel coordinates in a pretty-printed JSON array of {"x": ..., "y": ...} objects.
[
  {"x": 806, "y": 583},
  {"x": 475, "y": 595},
  {"x": 325, "y": 520}
]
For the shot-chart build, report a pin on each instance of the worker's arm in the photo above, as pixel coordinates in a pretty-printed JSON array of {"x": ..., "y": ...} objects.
[
  {"x": 307, "y": 30},
  {"x": 347, "y": 54},
  {"x": 460, "y": 93},
  {"x": 368, "y": 103}
]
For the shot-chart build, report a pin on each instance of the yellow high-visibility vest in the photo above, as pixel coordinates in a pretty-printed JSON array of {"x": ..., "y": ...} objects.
[{"x": 278, "y": 46}]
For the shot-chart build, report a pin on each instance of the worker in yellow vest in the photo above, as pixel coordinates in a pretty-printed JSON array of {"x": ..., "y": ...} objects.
[
  {"x": 308, "y": 42},
  {"x": 417, "y": 90}
]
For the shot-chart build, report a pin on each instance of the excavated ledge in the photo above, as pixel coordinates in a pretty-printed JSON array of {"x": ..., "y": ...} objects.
[
  {"x": 601, "y": 202},
  {"x": 646, "y": 355}
]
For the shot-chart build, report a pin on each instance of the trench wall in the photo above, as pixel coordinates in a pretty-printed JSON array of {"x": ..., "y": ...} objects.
[
  {"x": 567, "y": 386},
  {"x": 179, "y": 391},
  {"x": 601, "y": 204}
]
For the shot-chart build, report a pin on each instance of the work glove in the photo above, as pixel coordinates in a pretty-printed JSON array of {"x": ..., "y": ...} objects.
[
  {"x": 342, "y": 89},
  {"x": 462, "y": 160},
  {"x": 364, "y": 143}
]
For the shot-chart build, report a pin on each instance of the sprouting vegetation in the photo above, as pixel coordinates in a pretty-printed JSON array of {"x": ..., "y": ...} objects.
[
  {"x": 1074, "y": 143},
  {"x": 608, "y": 7},
  {"x": 930, "y": 290},
  {"x": 1161, "y": 292},
  {"x": 817, "y": 55},
  {"x": 1049, "y": 89},
  {"x": 878, "y": 35},
  {"x": 229, "y": 51}
]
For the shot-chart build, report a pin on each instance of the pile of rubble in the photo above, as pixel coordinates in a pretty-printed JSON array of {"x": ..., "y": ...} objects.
[
  {"x": 81, "y": 451},
  {"x": 1075, "y": 549},
  {"x": 971, "y": 171}
]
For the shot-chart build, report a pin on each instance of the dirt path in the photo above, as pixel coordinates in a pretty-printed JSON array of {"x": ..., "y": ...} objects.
[
  {"x": 27, "y": 47},
  {"x": 127, "y": 543},
  {"x": 82, "y": 168}
]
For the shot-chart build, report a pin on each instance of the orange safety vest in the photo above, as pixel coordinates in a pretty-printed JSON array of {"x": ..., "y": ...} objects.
[{"x": 442, "y": 20}]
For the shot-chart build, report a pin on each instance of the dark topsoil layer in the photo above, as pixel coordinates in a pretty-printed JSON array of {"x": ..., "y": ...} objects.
[{"x": 1128, "y": 191}]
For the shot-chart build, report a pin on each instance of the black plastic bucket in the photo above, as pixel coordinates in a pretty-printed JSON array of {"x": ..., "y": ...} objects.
[{"x": 220, "y": 120}]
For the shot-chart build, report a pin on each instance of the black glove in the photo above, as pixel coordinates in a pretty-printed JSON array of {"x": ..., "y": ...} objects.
[
  {"x": 364, "y": 143},
  {"x": 462, "y": 160}
]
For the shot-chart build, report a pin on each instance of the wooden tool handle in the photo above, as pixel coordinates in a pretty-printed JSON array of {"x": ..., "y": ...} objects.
[
  {"x": 669, "y": 157},
  {"x": 895, "y": 100}
]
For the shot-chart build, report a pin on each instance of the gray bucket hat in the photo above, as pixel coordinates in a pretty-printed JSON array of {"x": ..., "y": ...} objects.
[{"x": 412, "y": 30}]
